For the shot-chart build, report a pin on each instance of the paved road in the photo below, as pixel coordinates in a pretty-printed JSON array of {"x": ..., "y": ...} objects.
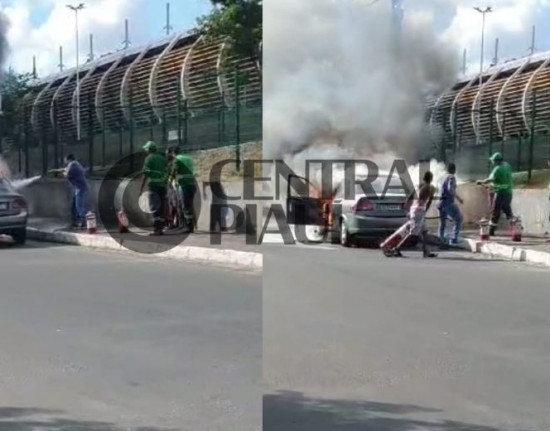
[
  {"x": 356, "y": 341},
  {"x": 101, "y": 341}
]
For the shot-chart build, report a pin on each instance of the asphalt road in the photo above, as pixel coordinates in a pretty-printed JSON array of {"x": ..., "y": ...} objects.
[
  {"x": 356, "y": 341},
  {"x": 102, "y": 341}
]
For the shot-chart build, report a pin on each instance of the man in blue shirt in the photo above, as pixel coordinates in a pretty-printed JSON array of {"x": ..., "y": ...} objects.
[
  {"x": 448, "y": 207},
  {"x": 76, "y": 176}
]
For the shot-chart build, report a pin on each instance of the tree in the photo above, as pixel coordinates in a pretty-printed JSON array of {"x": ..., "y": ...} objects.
[
  {"x": 13, "y": 88},
  {"x": 239, "y": 22}
]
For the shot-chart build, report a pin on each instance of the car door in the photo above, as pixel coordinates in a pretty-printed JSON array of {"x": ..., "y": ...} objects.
[{"x": 302, "y": 209}]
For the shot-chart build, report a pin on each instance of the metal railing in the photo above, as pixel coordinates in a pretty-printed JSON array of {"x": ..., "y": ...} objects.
[
  {"x": 469, "y": 137},
  {"x": 40, "y": 143}
]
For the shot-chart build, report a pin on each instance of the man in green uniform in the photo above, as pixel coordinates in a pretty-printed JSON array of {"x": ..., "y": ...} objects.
[
  {"x": 503, "y": 186},
  {"x": 154, "y": 173},
  {"x": 185, "y": 175}
]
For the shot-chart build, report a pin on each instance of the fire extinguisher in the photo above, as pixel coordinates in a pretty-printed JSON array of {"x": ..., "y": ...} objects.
[
  {"x": 516, "y": 229},
  {"x": 394, "y": 239},
  {"x": 123, "y": 222},
  {"x": 484, "y": 229},
  {"x": 91, "y": 223}
]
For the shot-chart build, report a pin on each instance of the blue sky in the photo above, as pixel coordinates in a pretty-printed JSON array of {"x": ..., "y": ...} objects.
[{"x": 39, "y": 27}]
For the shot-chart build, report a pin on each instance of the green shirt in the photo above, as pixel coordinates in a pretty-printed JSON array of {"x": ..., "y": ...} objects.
[
  {"x": 154, "y": 168},
  {"x": 185, "y": 170},
  {"x": 502, "y": 178}
]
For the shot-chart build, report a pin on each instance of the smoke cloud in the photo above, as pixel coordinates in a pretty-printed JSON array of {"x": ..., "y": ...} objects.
[{"x": 334, "y": 73}]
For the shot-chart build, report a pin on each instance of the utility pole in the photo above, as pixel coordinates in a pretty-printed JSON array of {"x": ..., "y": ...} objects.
[
  {"x": 126, "y": 42},
  {"x": 168, "y": 27},
  {"x": 34, "y": 74},
  {"x": 61, "y": 65},
  {"x": 91, "y": 55},
  {"x": 495, "y": 58},
  {"x": 483, "y": 12},
  {"x": 77, "y": 9},
  {"x": 533, "y": 38}
]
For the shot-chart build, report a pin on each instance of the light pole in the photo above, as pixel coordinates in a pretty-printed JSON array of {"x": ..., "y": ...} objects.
[
  {"x": 483, "y": 12},
  {"x": 76, "y": 9}
]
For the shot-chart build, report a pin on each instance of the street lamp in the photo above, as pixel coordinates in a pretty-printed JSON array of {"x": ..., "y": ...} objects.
[
  {"x": 483, "y": 12},
  {"x": 76, "y": 9}
]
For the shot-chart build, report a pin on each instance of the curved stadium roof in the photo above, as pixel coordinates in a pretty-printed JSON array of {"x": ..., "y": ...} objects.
[
  {"x": 507, "y": 87},
  {"x": 155, "y": 79}
]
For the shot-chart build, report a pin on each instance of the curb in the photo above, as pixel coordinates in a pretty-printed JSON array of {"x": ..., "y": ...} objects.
[
  {"x": 516, "y": 254},
  {"x": 242, "y": 259}
]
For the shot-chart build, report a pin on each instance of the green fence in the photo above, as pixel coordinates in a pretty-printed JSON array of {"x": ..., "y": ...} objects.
[
  {"x": 525, "y": 146},
  {"x": 110, "y": 134}
]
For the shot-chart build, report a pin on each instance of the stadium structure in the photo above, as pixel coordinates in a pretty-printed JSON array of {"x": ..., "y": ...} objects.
[
  {"x": 498, "y": 104},
  {"x": 147, "y": 84}
]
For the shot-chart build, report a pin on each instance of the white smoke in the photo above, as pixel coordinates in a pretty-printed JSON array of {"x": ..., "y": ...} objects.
[{"x": 334, "y": 72}]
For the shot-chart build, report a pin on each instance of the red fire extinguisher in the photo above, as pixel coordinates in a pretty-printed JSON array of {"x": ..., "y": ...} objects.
[
  {"x": 123, "y": 222},
  {"x": 484, "y": 229},
  {"x": 394, "y": 239},
  {"x": 91, "y": 222},
  {"x": 516, "y": 229}
]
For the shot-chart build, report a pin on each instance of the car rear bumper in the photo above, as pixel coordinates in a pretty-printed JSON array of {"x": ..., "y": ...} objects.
[
  {"x": 8, "y": 223},
  {"x": 374, "y": 227}
]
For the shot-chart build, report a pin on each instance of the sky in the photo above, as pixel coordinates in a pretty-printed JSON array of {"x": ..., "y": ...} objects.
[
  {"x": 39, "y": 27},
  {"x": 457, "y": 23}
]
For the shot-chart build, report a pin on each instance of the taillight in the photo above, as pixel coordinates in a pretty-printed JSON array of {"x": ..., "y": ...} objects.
[
  {"x": 364, "y": 205},
  {"x": 19, "y": 205}
]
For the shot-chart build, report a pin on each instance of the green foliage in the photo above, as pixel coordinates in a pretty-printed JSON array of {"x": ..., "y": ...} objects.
[
  {"x": 237, "y": 21},
  {"x": 13, "y": 88}
]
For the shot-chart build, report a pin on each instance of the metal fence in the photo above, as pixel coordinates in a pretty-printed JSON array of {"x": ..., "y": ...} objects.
[
  {"x": 110, "y": 134},
  {"x": 469, "y": 137}
]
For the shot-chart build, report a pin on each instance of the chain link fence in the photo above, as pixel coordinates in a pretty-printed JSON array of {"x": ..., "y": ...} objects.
[
  {"x": 469, "y": 137},
  {"x": 108, "y": 134}
]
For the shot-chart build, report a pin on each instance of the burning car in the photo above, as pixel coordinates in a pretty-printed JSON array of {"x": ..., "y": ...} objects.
[
  {"x": 13, "y": 212},
  {"x": 371, "y": 213}
]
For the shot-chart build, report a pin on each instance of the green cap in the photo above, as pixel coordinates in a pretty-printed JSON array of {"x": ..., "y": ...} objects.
[
  {"x": 497, "y": 157},
  {"x": 150, "y": 146}
]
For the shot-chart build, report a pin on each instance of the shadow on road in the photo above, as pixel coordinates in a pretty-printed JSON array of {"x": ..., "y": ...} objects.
[
  {"x": 292, "y": 411},
  {"x": 31, "y": 419}
]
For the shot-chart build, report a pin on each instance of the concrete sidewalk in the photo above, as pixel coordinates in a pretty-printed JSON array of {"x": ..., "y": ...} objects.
[
  {"x": 232, "y": 250},
  {"x": 532, "y": 249}
]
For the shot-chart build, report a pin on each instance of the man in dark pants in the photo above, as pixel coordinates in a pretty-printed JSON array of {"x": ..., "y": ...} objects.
[
  {"x": 154, "y": 173},
  {"x": 503, "y": 186},
  {"x": 185, "y": 175}
]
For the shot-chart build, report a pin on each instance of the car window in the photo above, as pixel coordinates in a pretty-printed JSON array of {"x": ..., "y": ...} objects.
[{"x": 379, "y": 186}]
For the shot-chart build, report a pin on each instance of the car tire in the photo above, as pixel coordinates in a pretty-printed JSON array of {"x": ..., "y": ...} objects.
[
  {"x": 19, "y": 236},
  {"x": 345, "y": 237}
]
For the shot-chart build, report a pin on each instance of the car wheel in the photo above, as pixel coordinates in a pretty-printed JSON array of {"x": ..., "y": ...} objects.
[
  {"x": 19, "y": 236},
  {"x": 345, "y": 238}
]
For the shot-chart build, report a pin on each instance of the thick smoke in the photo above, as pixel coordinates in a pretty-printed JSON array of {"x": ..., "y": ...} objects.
[{"x": 335, "y": 73}]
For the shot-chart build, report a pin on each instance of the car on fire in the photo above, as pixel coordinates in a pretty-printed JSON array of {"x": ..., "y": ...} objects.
[
  {"x": 370, "y": 214},
  {"x": 13, "y": 212}
]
